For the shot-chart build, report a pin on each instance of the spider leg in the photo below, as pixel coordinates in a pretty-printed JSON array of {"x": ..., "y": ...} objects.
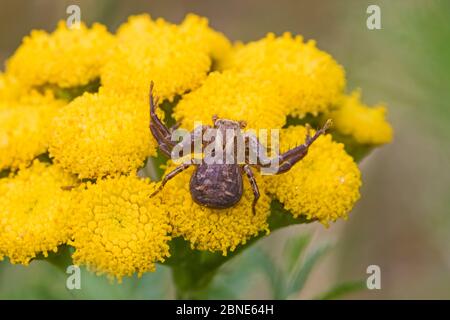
[
  {"x": 153, "y": 116},
  {"x": 159, "y": 131},
  {"x": 255, "y": 188},
  {"x": 171, "y": 175},
  {"x": 164, "y": 146},
  {"x": 286, "y": 160},
  {"x": 291, "y": 157}
]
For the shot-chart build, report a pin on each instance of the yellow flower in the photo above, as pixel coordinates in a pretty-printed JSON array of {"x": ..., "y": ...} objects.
[
  {"x": 235, "y": 96},
  {"x": 366, "y": 125},
  {"x": 34, "y": 212},
  {"x": 10, "y": 88},
  {"x": 65, "y": 58},
  {"x": 309, "y": 80},
  {"x": 214, "y": 229},
  {"x": 25, "y": 128},
  {"x": 118, "y": 229},
  {"x": 196, "y": 27},
  {"x": 324, "y": 185},
  {"x": 100, "y": 134},
  {"x": 114, "y": 225},
  {"x": 159, "y": 51}
]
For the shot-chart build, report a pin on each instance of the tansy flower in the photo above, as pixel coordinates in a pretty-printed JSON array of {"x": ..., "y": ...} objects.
[
  {"x": 10, "y": 88},
  {"x": 236, "y": 96},
  {"x": 100, "y": 134},
  {"x": 159, "y": 51},
  {"x": 324, "y": 185},
  {"x": 98, "y": 141},
  {"x": 214, "y": 229},
  {"x": 25, "y": 128},
  {"x": 64, "y": 58},
  {"x": 309, "y": 80},
  {"x": 118, "y": 229},
  {"x": 196, "y": 27},
  {"x": 34, "y": 211},
  {"x": 366, "y": 125}
]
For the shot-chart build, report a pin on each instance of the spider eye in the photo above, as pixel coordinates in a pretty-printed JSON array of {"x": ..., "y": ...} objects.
[{"x": 243, "y": 124}]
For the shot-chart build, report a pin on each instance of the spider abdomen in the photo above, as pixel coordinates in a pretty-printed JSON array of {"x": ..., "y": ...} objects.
[{"x": 217, "y": 185}]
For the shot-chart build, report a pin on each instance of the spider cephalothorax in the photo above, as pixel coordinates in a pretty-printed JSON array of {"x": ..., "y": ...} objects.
[{"x": 218, "y": 183}]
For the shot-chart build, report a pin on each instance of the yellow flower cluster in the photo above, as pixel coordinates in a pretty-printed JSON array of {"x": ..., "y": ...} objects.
[
  {"x": 100, "y": 134},
  {"x": 196, "y": 28},
  {"x": 34, "y": 212},
  {"x": 25, "y": 128},
  {"x": 118, "y": 229},
  {"x": 10, "y": 88},
  {"x": 159, "y": 51},
  {"x": 214, "y": 229},
  {"x": 65, "y": 58},
  {"x": 232, "y": 95},
  {"x": 309, "y": 80},
  {"x": 324, "y": 185},
  {"x": 366, "y": 125},
  {"x": 113, "y": 224}
]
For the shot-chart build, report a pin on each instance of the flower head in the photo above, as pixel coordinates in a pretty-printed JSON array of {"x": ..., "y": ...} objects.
[
  {"x": 118, "y": 229},
  {"x": 214, "y": 229},
  {"x": 25, "y": 128},
  {"x": 309, "y": 80},
  {"x": 100, "y": 134},
  {"x": 10, "y": 88},
  {"x": 324, "y": 185},
  {"x": 65, "y": 58},
  {"x": 366, "y": 125},
  {"x": 236, "y": 96},
  {"x": 98, "y": 141},
  {"x": 158, "y": 51},
  {"x": 34, "y": 212},
  {"x": 196, "y": 27}
]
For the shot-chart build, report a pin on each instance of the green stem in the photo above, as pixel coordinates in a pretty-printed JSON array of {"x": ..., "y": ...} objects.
[
  {"x": 60, "y": 259},
  {"x": 194, "y": 270}
]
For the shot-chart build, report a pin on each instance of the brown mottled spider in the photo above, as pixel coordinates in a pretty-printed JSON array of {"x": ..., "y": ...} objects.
[{"x": 219, "y": 185}]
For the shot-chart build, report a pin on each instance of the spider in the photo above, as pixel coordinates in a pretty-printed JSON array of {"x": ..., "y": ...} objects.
[{"x": 220, "y": 185}]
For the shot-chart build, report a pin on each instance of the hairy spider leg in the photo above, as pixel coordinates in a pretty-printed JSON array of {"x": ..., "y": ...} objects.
[
  {"x": 290, "y": 157},
  {"x": 160, "y": 132},
  {"x": 254, "y": 185},
  {"x": 171, "y": 175}
]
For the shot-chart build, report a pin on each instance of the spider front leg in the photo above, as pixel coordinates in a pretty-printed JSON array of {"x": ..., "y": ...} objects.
[
  {"x": 285, "y": 161},
  {"x": 160, "y": 132},
  {"x": 291, "y": 157},
  {"x": 255, "y": 188},
  {"x": 171, "y": 175}
]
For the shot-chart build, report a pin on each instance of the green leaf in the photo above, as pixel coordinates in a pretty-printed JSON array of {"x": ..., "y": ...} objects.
[
  {"x": 342, "y": 289},
  {"x": 275, "y": 276},
  {"x": 293, "y": 249},
  {"x": 235, "y": 277},
  {"x": 299, "y": 278}
]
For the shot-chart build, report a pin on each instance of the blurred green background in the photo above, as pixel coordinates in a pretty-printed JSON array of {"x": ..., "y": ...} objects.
[{"x": 402, "y": 222}]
